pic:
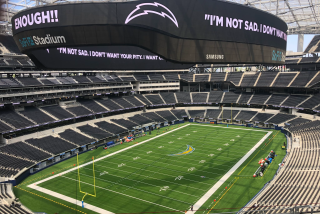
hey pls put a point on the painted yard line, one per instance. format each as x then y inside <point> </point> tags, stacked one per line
<point>229,128</point>
<point>173,176</point>
<point>141,181</point>
<point>222,196</point>
<point>121,194</point>
<point>157,179</point>
<point>131,187</point>
<point>104,157</point>
<point>184,157</point>
<point>204,198</point>
<point>74,201</point>
<point>174,170</point>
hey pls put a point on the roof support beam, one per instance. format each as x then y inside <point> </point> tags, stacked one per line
<point>287,3</point>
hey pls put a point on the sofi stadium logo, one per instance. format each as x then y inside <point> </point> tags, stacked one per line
<point>278,56</point>
<point>36,40</point>
<point>158,9</point>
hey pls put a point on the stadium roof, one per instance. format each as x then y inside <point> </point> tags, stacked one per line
<point>302,16</point>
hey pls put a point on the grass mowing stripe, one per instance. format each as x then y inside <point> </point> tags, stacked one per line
<point>90,162</point>
<point>160,166</point>
<point>50,200</point>
<point>164,181</point>
<point>123,194</point>
<point>167,175</point>
<point>228,174</point>
<point>132,187</point>
<point>143,177</point>
<point>188,159</point>
<point>140,181</point>
<point>223,195</point>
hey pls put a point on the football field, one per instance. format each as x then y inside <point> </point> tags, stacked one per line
<point>176,168</point>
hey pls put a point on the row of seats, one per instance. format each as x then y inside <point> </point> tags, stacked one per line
<point>10,206</point>
<point>18,155</point>
<point>241,79</point>
<point>258,79</point>
<point>5,209</point>
<point>25,154</point>
<point>30,81</point>
<point>297,181</point>
<point>30,116</point>
<point>3,192</point>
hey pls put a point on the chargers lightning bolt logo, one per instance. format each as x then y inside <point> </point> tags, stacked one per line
<point>189,150</point>
<point>141,12</point>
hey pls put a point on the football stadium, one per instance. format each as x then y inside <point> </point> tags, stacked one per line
<point>167,106</point>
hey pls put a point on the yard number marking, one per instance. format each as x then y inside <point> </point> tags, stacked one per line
<point>191,168</point>
<point>164,188</point>
<point>103,173</point>
<point>179,177</point>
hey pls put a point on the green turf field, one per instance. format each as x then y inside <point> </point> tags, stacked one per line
<point>155,177</point>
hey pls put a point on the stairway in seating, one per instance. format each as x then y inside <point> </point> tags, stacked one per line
<point>294,78</point>
<point>187,112</point>
<point>274,79</point>
<point>47,113</point>
<point>268,99</point>
<point>222,97</point>
<point>58,136</point>
<point>175,97</point>
<point>254,116</point>
<point>101,105</point>
<point>239,98</point>
<point>80,132</point>
<point>139,100</point>
<point>284,100</point>
<point>38,148</point>
<point>304,101</point>
<point>27,118</point>
<point>257,80</point>
<point>162,99</point>
<point>18,157</point>
<point>237,115</point>
<point>312,79</point>
<point>250,98</point>
<point>241,79</point>
<point>173,114</point>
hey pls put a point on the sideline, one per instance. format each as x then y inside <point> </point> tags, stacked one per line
<point>211,191</point>
<point>77,202</point>
<point>222,127</point>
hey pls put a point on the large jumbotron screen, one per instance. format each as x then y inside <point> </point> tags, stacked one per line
<point>178,31</point>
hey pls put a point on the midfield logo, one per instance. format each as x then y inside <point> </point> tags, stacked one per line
<point>163,11</point>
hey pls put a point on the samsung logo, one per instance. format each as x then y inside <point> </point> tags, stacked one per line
<point>214,56</point>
